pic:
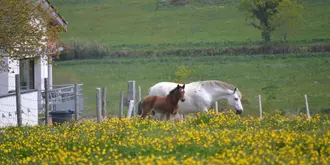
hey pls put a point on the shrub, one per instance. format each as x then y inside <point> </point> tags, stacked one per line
<point>179,2</point>
<point>77,49</point>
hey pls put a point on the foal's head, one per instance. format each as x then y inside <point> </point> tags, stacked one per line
<point>178,91</point>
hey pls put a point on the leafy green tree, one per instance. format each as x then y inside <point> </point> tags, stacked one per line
<point>25,28</point>
<point>288,19</point>
<point>270,15</point>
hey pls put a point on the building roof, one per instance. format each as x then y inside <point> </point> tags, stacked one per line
<point>57,17</point>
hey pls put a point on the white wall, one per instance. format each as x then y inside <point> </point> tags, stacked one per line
<point>29,105</point>
<point>41,72</point>
<point>14,69</point>
<point>4,79</point>
<point>7,79</point>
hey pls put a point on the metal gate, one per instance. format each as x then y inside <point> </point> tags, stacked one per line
<point>62,97</point>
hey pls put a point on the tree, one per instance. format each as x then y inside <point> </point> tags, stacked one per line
<point>288,19</point>
<point>25,29</point>
<point>269,15</point>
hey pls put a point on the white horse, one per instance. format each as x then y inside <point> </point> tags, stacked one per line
<point>201,95</point>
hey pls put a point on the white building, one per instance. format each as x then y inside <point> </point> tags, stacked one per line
<point>32,72</point>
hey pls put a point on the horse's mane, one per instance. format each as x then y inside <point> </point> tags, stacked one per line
<point>172,91</point>
<point>219,83</point>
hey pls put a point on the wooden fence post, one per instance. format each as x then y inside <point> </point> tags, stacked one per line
<point>260,106</point>
<point>76,102</point>
<point>131,93</point>
<point>121,105</point>
<point>216,107</point>
<point>104,102</point>
<point>18,99</point>
<point>139,94</point>
<point>98,105</point>
<point>130,109</point>
<point>46,86</point>
<point>307,108</point>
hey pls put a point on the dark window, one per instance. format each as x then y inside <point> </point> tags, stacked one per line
<point>26,70</point>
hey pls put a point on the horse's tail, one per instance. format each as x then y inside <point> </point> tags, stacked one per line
<point>139,108</point>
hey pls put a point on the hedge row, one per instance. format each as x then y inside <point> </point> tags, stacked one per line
<point>85,50</point>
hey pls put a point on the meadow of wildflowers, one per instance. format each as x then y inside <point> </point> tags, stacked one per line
<point>203,139</point>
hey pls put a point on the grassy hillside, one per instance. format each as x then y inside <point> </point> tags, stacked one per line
<point>126,22</point>
<point>282,80</point>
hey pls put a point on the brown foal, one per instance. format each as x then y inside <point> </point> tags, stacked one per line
<point>165,104</point>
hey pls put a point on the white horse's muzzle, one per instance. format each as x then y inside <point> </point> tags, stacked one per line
<point>239,111</point>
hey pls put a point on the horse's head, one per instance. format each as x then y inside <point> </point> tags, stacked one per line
<point>235,101</point>
<point>179,92</point>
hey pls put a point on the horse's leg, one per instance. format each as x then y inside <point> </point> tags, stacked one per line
<point>182,117</point>
<point>177,117</point>
<point>153,114</point>
<point>161,115</point>
<point>205,110</point>
<point>168,115</point>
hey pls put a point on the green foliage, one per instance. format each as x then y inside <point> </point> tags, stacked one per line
<point>22,32</point>
<point>268,15</point>
<point>288,18</point>
<point>182,74</point>
<point>77,49</point>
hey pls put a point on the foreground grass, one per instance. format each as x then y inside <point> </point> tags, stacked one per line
<point>205,138</point>
<point>281,80</point>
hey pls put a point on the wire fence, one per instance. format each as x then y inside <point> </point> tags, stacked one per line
<point>116,104</point>
<point>32,103</point>
<point>29,110</point>
<point>318,103</point>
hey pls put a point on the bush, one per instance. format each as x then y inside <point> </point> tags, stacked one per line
<point>179,2</point>
<point>77,49</point>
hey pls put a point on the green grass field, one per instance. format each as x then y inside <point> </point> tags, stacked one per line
<point>130,22</point>
<point>282,80</point>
